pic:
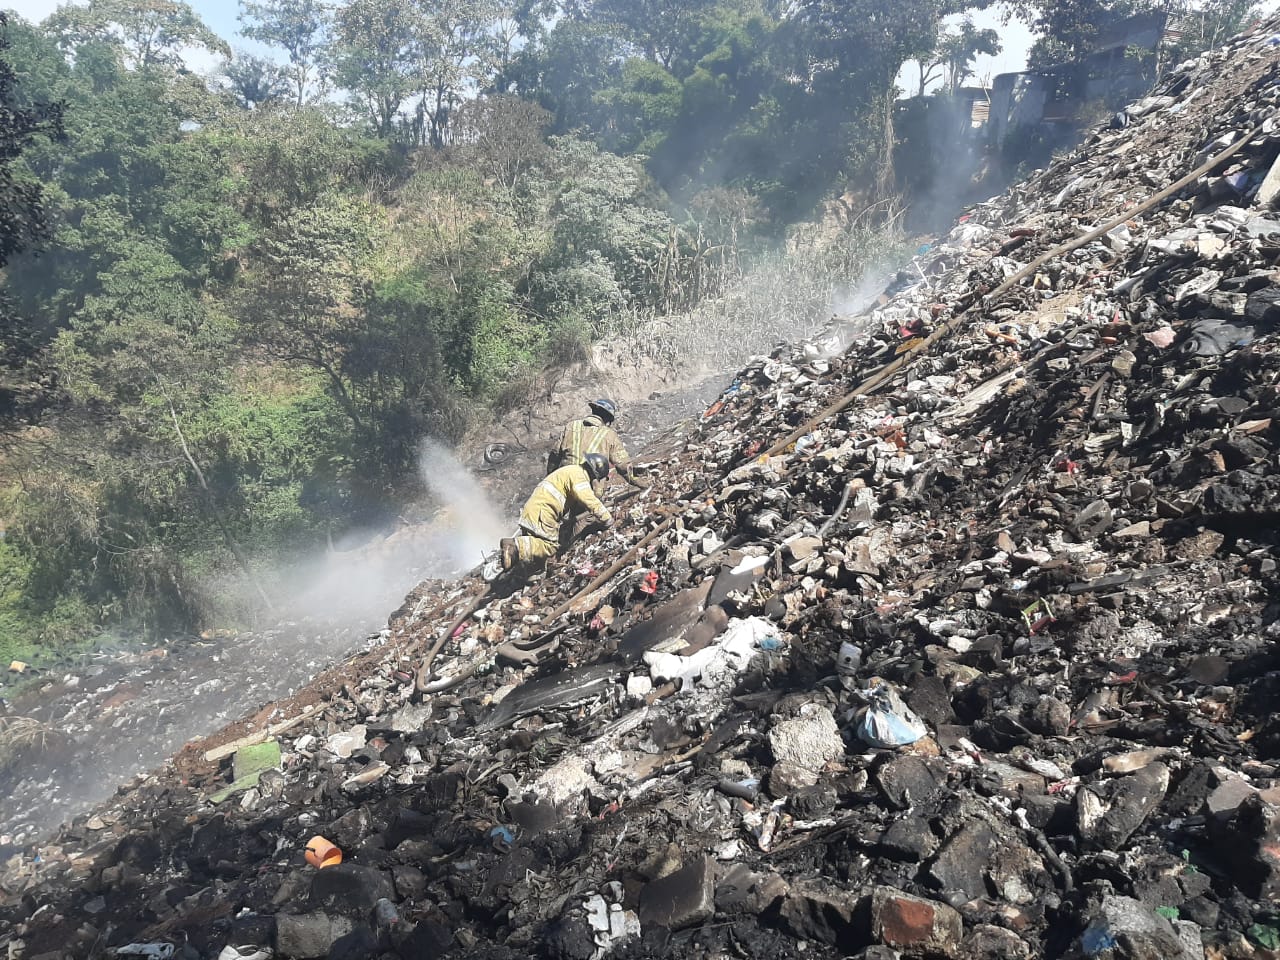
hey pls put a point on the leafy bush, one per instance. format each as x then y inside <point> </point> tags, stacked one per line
<point>19,626</point>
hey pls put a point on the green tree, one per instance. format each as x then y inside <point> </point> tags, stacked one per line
<point>23,215</point>
<point>853,53</point>
<point>607,244</point>
<point>298,27</point>
<point>141,356</point>
<point>377,56</point>
<point>455,45</point>
<point>127,171</point>
<point>642,108</point>
<point>566,71</point>
<point>664,31</point>
<point>710,141</point>
<point>147,33</point>
<point>22,210</point>
<point>517,26</point>
<point>1067,29</point>
<point>457,256</point>
<point>289,160</point>
<point>1204,24</point>
<point>957,49</point>
<point>397,359</point>
<point>300,295</point>
<point>256,81</point>
<point>688,91</point>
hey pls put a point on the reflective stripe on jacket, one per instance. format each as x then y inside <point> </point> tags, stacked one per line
<point>590,435</point>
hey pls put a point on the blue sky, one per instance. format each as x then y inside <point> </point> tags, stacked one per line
<point>220,15</point>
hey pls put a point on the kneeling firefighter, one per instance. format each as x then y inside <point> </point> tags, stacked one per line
<point>559,497</point>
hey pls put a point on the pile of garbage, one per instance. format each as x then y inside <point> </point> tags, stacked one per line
<point>958,643</point>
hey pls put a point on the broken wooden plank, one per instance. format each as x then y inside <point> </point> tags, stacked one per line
<point>227,749</point>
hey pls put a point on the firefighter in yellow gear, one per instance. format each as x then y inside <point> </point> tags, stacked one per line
<point>594,434</point>
<point>558,497</point>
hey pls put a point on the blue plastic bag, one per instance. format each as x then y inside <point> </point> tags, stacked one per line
<point>889,722</point>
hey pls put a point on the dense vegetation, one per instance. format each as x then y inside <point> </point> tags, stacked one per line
<point>245,301</point>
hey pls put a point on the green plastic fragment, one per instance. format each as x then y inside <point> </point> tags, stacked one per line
<point>256,759</point>
<point>1169,913</point>
<point>1265,935</point>
<point>249,765</point>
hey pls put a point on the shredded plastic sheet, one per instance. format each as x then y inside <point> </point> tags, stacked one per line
<point>730,654</point>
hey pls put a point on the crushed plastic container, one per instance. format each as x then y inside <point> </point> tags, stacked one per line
<point>849,659</point>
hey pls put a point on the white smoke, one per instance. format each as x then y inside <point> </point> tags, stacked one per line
<point>467,525</point>
<point>357,586</point>
<point>850,321</point>
<point>858,297</point>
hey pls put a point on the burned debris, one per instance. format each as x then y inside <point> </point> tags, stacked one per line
<point>958,643</point>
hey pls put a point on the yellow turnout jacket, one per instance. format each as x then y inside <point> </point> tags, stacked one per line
<point>591,435</point>
<point>551,500</point>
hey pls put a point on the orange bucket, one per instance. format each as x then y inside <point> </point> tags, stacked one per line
<point>321,853</point>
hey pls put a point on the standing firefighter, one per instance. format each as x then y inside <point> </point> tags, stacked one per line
<point>594,434</point>
<point>556,499</point>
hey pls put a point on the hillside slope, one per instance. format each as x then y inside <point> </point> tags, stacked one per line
<point>1048,526</point>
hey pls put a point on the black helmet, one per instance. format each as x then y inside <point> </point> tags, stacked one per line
<point>606,408</point>
<point>596,465</point>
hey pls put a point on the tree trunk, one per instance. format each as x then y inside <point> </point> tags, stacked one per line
<point>884,176</point>
<point>344,398</point>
